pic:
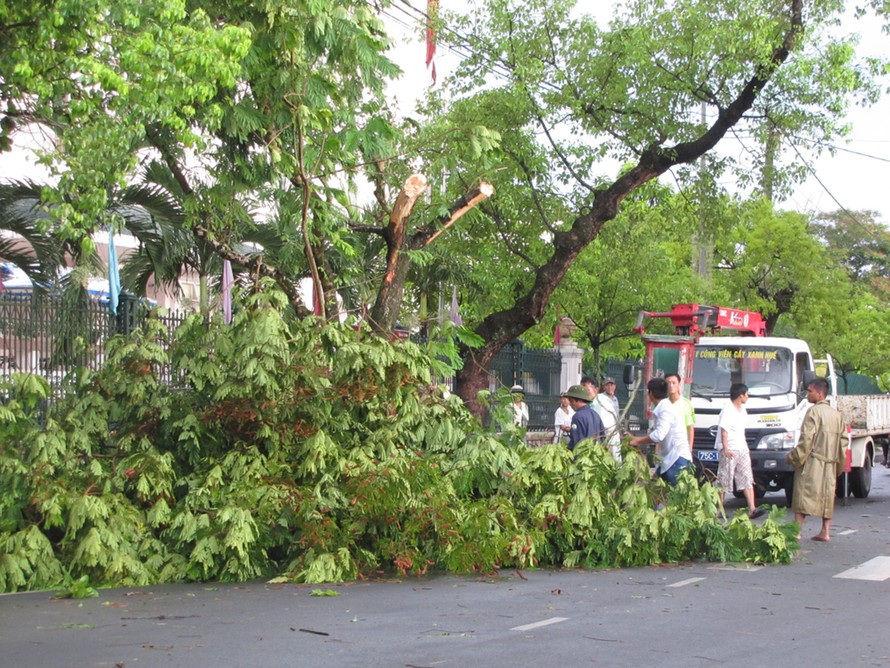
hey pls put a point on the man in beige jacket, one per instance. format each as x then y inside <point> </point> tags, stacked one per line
<point>818,459</point>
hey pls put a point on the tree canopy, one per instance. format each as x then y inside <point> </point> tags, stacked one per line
<point>273,123</point>
<point>567,94</point>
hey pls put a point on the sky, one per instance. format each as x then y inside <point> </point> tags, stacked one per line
<point>856,178</point>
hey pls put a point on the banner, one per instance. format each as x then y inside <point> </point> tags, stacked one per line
<point>228,280</point>
<point>455,314</point>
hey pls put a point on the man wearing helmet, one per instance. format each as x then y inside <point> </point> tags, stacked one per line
<point>585,422</point>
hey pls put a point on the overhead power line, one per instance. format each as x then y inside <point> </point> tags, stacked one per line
<point>850,214</point>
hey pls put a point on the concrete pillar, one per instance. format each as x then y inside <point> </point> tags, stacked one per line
<point>572,360</point>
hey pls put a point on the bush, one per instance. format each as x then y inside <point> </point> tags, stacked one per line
<point>314,454</point>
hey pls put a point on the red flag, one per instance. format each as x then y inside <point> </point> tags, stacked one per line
<point>432,14</point>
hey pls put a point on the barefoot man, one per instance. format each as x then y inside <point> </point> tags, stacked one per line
<point>818,459</point>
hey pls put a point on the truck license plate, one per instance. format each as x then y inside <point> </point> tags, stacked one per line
<point>707,455</point>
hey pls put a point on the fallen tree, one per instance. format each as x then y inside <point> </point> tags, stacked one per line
<point>289,451</point>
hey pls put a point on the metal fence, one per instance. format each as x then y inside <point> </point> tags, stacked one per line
<point>538,371</point>
<point>49,335</point>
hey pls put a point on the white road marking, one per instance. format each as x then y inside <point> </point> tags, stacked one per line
<point>847,532</point>
<point>877,569</point>
<point>683,583</point>
<point>543,622</point>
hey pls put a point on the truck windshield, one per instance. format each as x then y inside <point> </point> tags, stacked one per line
<point>764,370</point>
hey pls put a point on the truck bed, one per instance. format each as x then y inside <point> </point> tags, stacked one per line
<point>866,412</point>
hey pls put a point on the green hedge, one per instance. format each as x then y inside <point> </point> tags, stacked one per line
<point>312,453</point>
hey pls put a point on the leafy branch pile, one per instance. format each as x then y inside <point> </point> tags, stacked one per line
<point>282,449</point>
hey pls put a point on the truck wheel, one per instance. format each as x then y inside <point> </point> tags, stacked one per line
<point>789,489</point>
<point>860,479</point>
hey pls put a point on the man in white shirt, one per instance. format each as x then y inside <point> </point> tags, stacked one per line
<point>609,387</point>
<point>605,408</point>
<point>668,433</point>
<point>682,404</point>
<point>562,420</point>
<point>734,460</point>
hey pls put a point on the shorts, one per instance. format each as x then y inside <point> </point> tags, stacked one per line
<point>670,476</point>
<point>737,469</point>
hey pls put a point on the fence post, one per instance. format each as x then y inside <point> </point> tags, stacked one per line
<point>572,361</point>
<point>517,347</point>
<point>125,319</point>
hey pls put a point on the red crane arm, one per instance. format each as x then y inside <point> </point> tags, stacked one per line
<point>693,319</point>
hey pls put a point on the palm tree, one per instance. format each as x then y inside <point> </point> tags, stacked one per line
<point>28,241</point>
<point>163,218</point>
<point>154,211</point>
<point>151,211</point>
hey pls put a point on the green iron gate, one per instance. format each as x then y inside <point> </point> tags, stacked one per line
<point>538,371</point>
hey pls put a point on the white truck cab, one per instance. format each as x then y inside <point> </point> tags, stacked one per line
<point>773,368</point>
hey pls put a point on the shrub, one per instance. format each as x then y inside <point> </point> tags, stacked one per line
<point>312,453</point>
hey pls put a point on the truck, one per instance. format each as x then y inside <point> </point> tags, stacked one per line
<point>776,371</point>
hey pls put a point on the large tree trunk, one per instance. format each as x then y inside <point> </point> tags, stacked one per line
<point>500,328</point>
<point>385,312</point>
<point>783,300</point>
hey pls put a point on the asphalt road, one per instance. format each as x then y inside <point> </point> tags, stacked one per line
<point>828,608</point>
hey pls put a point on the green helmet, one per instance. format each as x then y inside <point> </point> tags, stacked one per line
<point>578,392</point>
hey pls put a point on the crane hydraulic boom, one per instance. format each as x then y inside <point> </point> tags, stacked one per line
<point>694,319</point>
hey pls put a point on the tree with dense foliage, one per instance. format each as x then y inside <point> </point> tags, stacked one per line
<point>282,110</point>
<point>771,262</point>
<point>565,94</point>
<point>854,323</point>
<point>97,77</point>
<point>859,242</point>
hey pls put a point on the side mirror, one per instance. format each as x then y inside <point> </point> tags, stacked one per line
<point>808,377</point>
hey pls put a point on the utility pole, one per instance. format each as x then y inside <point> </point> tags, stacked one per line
<point>702,245</point>
<point>771,150</point>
